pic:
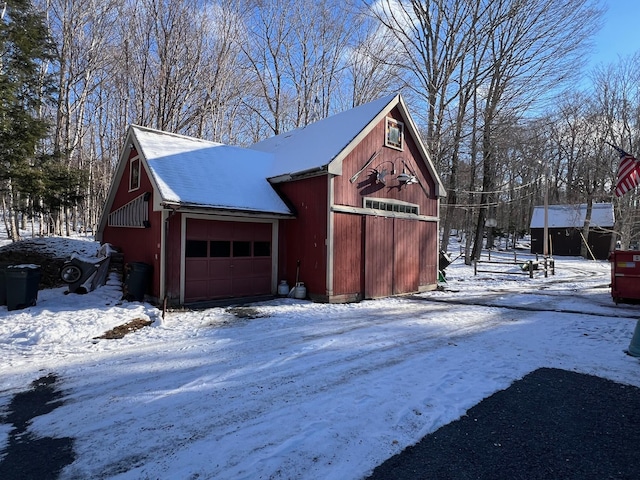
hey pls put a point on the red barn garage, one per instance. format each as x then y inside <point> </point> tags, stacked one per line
<point>348,205</point>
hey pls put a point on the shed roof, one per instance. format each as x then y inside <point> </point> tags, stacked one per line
<point>194,172</point>
<point>566,216</point>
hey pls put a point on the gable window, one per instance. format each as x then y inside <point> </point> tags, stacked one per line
<point>394,134</point>
<point>134,174</point>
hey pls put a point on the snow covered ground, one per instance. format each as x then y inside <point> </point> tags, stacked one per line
<point>303,390</point>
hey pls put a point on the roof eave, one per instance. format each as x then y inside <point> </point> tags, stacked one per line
<point>312,172</point>
<point>184,207</point>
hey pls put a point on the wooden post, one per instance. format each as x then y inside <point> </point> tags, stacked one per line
<point>475,267</point>
<point>530,268</point>
<point>545,268</point>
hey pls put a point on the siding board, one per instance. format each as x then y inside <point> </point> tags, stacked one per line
<point>406,248</point>
<point>305,237</point>
<point>428,253</point>
<point>378,257</point>
<point>347,254</point>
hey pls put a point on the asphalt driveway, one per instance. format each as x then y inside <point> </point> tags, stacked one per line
<point>552,424</point>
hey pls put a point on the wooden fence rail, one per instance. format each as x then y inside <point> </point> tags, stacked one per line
<point>525,266</point>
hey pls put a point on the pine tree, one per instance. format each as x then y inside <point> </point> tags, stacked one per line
<point>25,50</point>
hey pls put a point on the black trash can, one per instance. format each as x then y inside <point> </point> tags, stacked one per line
<point>138,278</point>
<point>22,283</point>
<point>3,283</point>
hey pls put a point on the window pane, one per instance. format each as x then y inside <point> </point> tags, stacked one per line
<point>241,249</point>
<point>134,174</point>
<point>220,248</point>
<point>261,249</point>
<point>196,248</point>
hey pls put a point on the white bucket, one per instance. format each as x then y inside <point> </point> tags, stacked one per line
<point>283,288</point>
<point>300,292</point>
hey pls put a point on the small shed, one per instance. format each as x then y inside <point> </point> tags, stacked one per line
<point>349,205</point>
<point>565,224</point>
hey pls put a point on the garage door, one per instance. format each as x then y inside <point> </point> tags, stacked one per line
<point>227,259</point>
<point>391,250</point>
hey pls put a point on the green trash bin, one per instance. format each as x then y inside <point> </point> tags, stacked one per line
<point>21,287</point>
<point>137,280</point>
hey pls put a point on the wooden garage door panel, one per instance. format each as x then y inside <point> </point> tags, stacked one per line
<point>406,274</point>
<point>219,287</point>
<point>378,257</point>
<point>392,248</point>
<point>219,268</point>
<point>199,289</point>
<point>242,267</point>
<point>198,268</point>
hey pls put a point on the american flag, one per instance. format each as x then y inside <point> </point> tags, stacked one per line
<point>628,172</point>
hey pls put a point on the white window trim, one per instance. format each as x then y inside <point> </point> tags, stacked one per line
<point>392,122</point>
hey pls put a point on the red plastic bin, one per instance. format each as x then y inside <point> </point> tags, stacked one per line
<point>625,275</point>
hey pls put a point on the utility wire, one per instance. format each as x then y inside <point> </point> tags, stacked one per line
<point>519,187</point>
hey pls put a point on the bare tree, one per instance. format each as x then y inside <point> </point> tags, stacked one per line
<point>372,66</point>
<point>82,33</point>
<point>535,47</point>
<point>617,103</point>
<point>265,45</point>
<point>442,45</point>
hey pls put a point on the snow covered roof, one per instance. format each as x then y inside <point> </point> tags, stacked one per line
<point>316,145</point>
<point>563,216</point>
<point>321,146</point>
<point>194,172</point>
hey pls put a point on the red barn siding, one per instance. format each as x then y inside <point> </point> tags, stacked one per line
<point>348,265</point>
<point>351,194</point>
<point>138,244</point>
<point>378,255</point>
<point>428,253</point>
<point>400,255</point>
<point>304,238</point>
<point>406,262</point>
